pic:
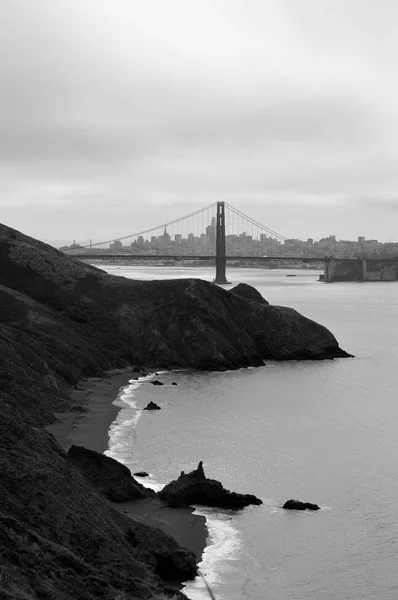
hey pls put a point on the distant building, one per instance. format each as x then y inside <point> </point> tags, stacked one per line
<point>211,231</point>
<point>116,246</point>
<point>166,237</point>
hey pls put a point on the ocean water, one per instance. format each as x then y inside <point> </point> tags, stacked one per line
<point>323,432</point>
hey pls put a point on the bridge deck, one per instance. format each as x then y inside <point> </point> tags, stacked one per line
<point>194,257</point>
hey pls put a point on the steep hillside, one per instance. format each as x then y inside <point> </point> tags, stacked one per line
<point>61,320</point>
<point>60,540</point>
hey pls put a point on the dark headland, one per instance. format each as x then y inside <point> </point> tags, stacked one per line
<point>62,321</point>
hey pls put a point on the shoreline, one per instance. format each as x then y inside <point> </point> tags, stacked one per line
<point>88,421</point>
<point>88,424</point>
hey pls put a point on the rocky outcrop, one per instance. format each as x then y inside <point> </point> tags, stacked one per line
<point>298,505</point>
<point>196,488</point>
<point>156,382</point>
<point>152,406</point>
<point>112,479</point>
<point>243,290</point>
<point>141,474</point>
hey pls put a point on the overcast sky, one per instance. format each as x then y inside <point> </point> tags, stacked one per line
<point>116,115</point>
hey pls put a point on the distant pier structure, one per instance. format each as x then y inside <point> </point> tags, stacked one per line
<point>360,269</point>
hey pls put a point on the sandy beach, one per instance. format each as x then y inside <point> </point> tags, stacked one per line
<point>87,424</point>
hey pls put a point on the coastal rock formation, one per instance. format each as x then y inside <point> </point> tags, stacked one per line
<point>243,290</point>
<point>141,474</point>
<point>152,406</point>
<point>112,479</point>
<point>75,320</point>
<point>156,382</point>
<point>297,505</point>
<point>196,488</point>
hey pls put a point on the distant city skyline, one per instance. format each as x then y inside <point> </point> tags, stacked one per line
<point>357,239</point>
<point>242,243</point>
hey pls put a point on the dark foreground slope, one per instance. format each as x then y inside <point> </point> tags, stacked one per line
<point>59,539</point>
<point>61,320</point>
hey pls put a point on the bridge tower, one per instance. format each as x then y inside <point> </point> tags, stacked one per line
<point>221,261</point>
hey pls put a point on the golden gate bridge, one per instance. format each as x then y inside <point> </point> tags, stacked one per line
<point>218,232</point>
<point>221,233</point>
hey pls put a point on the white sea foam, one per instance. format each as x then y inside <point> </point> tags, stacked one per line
<point>219,555</point>
<point>122,430</point>
<point>224,539</point>
<point>151,483</point>
<point>223,545</point>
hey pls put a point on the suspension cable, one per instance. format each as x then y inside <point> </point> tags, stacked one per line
<point>145,231</point>
<point>270,231</point>
<point>234,212</point>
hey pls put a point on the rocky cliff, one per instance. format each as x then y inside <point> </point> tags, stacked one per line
<point>66,319</point>
<point>61,320</point>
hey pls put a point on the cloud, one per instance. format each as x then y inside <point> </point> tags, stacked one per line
<point>160,103</point>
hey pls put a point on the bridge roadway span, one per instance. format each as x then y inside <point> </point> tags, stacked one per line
<point>335,269</point>
<point>192,257</point>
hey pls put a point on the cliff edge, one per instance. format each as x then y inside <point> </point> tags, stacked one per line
<point>61,320</point>
<point>73,319</point>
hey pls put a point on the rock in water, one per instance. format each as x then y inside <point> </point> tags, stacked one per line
<point>297,505</point>
<point>141,474</point>
<point>110,477</point>
<point>195,488</point>
<point>152,406</point>
<point>156,382</point>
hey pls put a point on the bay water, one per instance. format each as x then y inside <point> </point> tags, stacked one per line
<point>323,432</point>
